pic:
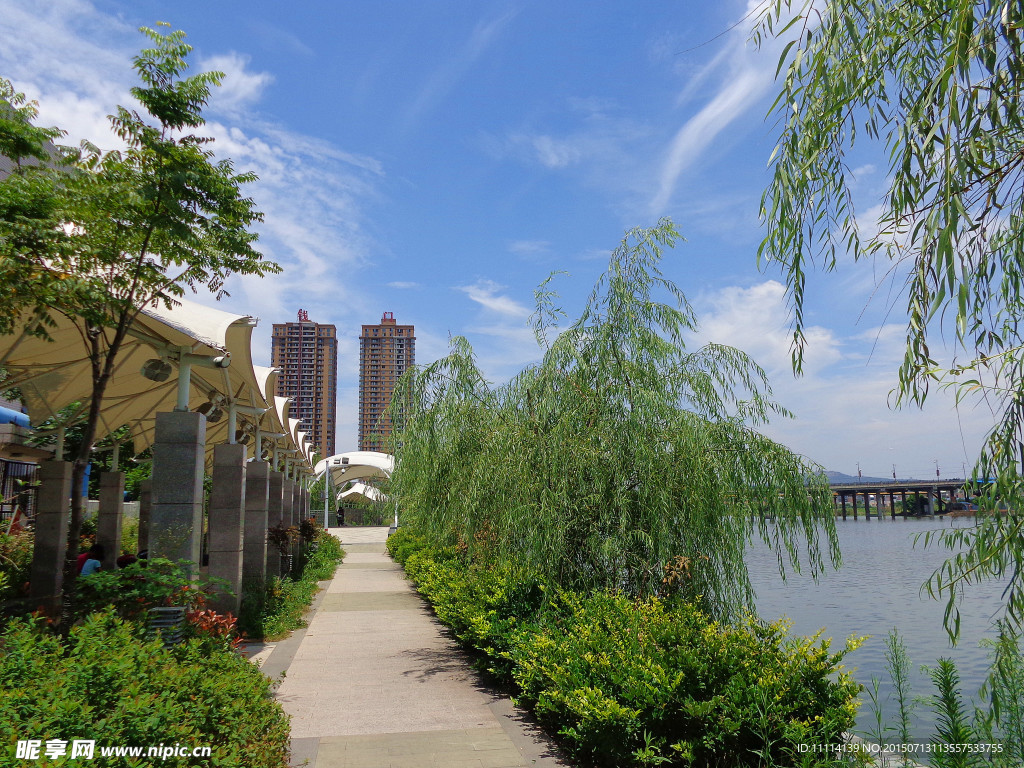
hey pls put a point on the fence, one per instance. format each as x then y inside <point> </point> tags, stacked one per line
<point>17,489</point>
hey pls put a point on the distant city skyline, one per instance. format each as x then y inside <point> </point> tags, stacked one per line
<point>442,159</point>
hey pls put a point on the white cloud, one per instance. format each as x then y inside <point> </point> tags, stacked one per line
<point>313,194</point>
<point>745,75</point>
<point>403,284</point>
<point>843,401</point>
<point>529,247</point>
<point>485,293</point>
<point>239,88</point>
<point>443,79</point>
<point>756,320</point>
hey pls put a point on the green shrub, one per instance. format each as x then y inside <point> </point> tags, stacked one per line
<point>637,682</point>
<point>274,607</point>
<point>15,563</point>
<point>107,683</point>
<point>130,536</point>
<point>136,588</point>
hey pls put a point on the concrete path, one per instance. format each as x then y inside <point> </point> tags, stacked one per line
<point>375,681</point>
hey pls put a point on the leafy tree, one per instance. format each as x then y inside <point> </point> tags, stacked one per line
<point>32,175</point>
<point>621,461</point>
<point>936,84</point>
<point>143,223</point>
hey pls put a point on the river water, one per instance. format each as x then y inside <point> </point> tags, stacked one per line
<point>878,587</point>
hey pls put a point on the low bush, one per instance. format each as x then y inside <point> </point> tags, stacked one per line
<point>136,588</point>
<point>105,682</point>
<point>640,682</point>
<point>15,563</point>
<point>274,607</point>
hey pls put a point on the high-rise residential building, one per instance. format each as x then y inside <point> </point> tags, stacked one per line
<point>307,354</point>
<point>385,351</point>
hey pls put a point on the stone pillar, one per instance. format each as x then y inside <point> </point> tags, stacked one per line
<point>176,515</point>
<point>254,541</point>
<point>53,511</point>
<point>298,516</point>
<point>227,524</point>
<point>288,512</point>
<point>275,502</point>
<point>110,517</point>
<point>145,506</point>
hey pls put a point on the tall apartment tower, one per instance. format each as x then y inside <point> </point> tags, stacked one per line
<point>385,351</point>
<point>307,354</point>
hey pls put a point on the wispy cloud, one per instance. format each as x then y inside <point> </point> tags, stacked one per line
<point>529,247</point>
<point>486,294</point>
<point>403,285</point>
<point>443,79</point>
<point>745,76</point>
<point>313,194</point>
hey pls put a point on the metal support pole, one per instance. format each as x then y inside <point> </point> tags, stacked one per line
<point>327,490</point>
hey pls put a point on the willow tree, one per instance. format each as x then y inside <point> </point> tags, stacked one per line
<point>622,458</point>
<point>934,86</point>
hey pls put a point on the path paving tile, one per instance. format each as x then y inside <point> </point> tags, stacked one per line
<point>375,682</point>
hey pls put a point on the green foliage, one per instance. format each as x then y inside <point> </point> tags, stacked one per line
<point>953,725</point>
<point>897,663</point>
<point>1003,720</point>
<point>621,450</point>
<point>274,607</point>
<point>15,563</point>
<point>631,682</point>
<point>935,85</point>
<point>992,734</point>
<point>136,588</point>
<point>30,209</point>
<point>150,221</point>
<point>107,683</point>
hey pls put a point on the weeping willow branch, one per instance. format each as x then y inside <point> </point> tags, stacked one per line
<point>617,453</point>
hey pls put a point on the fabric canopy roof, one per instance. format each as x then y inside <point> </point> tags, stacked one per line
<point>54,374</point>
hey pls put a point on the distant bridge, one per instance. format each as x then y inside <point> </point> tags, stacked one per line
<point>936,494</point>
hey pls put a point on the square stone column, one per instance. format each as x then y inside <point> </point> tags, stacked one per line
<point>53,512</point>
<point>254,540</point>
<point>227,524</point>
<point>176,516</point>
<point>275,503</point>
<point>110,517</point>
<point>145,507</point>
<point>298,516</point>
<point>288,512</point>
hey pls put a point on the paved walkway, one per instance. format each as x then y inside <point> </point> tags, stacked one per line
<point>375,681</point>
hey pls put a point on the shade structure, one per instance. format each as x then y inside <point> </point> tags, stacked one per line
<point>55,374</point>
<point>362,490</point>
<point>356,465</point>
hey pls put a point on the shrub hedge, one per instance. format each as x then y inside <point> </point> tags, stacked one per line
<point>105,682</point>
<point>641,682</point>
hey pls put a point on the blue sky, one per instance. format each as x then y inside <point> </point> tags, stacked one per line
<point>439,159</point>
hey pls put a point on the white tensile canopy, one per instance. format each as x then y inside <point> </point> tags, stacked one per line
<point>356,465</point>
<point>364,490</point>
<point>54,374</point>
